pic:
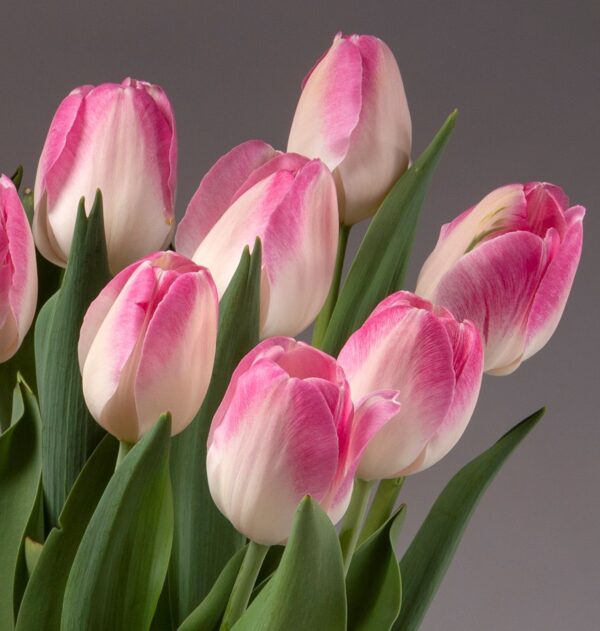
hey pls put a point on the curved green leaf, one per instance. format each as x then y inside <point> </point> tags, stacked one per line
<point>208,614</point>
<point>380,264</point>
<point>120,566</point>
<point>204,540</point>
<point>307,591</point>
<point>20,469</point>
<point>69,433</point>
<point>373,583</point>
<point>429,555</point>
<point>41,606</point>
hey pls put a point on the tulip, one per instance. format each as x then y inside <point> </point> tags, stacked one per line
<point>435,363</point>
<point>353,115</point>
<point>290,203</point>
<point>287,428</point>
<point>508,265</point>
<point>120,139</point>
<point>18,271</point>
<point>147,345</point>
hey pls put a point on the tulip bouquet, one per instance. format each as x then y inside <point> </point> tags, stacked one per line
<point>171,457</point>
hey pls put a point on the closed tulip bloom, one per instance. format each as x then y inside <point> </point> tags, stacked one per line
<point>434,362</point>
<point>508,264</point>
<point>119,138</point>
<point>287,428</point>
<point>18,271</point>
<point>353,115</point>
<point>147,345</point>
<point>290,203</point>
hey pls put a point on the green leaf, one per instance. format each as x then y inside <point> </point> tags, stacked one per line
<point>69,433</point>
<point>33,549</point>
<point>429,555</point>
<point>17,177</point>
<point>204,540</point>
<point>380,264</point>
<point>373,583</point>
<point>307,591</point>
<point>120,566</point>
<point>208,614</point>
<point>41,606</point>
<point>20,469</point>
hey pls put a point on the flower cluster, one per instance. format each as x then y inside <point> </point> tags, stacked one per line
<point>294,420</point>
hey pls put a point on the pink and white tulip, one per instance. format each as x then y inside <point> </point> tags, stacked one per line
<point>287,428</point>
<point>18,271</point>
<point>353,115</point>
<point>290,203</point>
<point>119,138</point>
<point>508,264</point>
<point>147,345</point>
<point>434,362</point>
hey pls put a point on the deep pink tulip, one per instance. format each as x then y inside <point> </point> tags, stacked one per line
<point>18,271</point>
<point>286,200</point>
<point>287,428</point>
<point>121,139</point>
<point>354,116</point>
<point>147,345</point>
<point>508,264</point>
<point>434,362</point>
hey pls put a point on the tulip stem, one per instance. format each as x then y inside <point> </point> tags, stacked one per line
<point>124,449</point>
<point>322,321</point>
<point>382,507</point>
<point>244,584</point>
<point>353,520</point>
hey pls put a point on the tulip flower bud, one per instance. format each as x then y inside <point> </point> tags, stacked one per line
<point>147,345</point>
<point>119,139</point>
<point>434,362</point>
<point>508,264</point>
<point>353,115</point>
<point>286,428</point>
<point>290,203</point>
<point>18,271</point>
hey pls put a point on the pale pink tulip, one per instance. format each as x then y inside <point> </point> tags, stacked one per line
<point>120,139</point>
<point>434,362</point>
<point>353,115</point>
<point>287,428</point>
<point>290,203</point>
<point>147,345</point>
<point>18,271</point>
<point>508,264</point>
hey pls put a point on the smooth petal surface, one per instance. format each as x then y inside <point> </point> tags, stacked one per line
<point>353,115</point>
<point>18,271</point>
<point>119,139</point>
<point>217,190</point>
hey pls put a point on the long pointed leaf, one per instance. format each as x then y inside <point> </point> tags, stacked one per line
<point>69,433</point>
<point>380,264</point>
<point>121,564</point>
<point>429,555</point>
<point>20,469</point>
<point>204,540</point>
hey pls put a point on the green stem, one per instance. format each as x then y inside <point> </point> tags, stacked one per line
<point>324,316</point>
<point>124,449</point>
<point>382,506</point>
<point>244,584</point>
<point>353,519</point>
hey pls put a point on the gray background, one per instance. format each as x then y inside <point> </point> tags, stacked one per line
<point>525,77</point>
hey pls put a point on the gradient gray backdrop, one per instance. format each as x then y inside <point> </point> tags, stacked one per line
<point>525,77</point>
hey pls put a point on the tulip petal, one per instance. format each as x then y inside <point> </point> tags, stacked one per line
<point>182,330</point>
<point>300,243</point>
<point>217,190</point>
<point>329,107</point>
<point>492,286</point>
<point>260,462</point>
<point>551,297</point>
